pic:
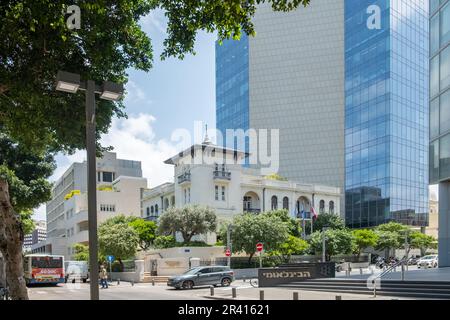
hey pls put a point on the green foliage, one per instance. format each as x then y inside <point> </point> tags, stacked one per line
<point>393,227</point>
<point>117,239</point>
<point>363,239</point>
<point>36,43</point>
<point>338,241</point>
<point>249,229</point>
<point>292,246</point>
<point>330,220</point>
<point>294,225</point>
<point>189,221</point>
<point>387,240</point>
<point>81,252</point>
<point>146,231</point>
<point>26,172</point>
<point>164,242</point>
<point>418,240</point>
<point>28,225</point>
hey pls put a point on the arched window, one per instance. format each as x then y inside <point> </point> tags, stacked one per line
<point>148,211</point>
<point>156,208</point>
<point>331,205</point>
<point>274,203</point>
<point>322,206</point>
<point>286,203</point>
<point>152,210</point>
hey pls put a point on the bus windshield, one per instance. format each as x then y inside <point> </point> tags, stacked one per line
<point>46,262</point>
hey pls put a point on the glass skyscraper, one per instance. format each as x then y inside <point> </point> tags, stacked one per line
<point>386,113</point>
<point>440,118</point>
<point>346,82</point>
<point>232,79</point>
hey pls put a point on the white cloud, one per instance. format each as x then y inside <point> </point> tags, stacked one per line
<point>134,94</point>
<point>154,21</point>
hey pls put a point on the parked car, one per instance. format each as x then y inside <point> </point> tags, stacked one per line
<point>430,261</point>
<point>412,261</point>
<point>203,276</point>
<point>76,270</point>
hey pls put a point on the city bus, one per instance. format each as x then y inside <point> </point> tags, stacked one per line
<point>44,269</point>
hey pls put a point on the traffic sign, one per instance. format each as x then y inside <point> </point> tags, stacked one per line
<point>110,259</point>
<point>259,247</point>
<point>228,252</point>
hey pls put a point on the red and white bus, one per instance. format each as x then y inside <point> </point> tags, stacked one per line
<point>44,268</point>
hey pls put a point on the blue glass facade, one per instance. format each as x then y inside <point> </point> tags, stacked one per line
<point>232,84</point>
<point>386,112</point>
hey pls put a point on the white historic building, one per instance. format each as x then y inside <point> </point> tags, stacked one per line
<point>209,175</point>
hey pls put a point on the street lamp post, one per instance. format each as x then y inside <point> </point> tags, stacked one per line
<point>229,244</point>
<point>70,82</point>
<point>324,239</point>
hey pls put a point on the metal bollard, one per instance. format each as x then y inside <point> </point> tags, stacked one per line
<point>132,283</point>
<point>360,271</point>
<point>153,282</point>
<point>261,294</point>
<point>118,281</point>
<point>211,290</point>
<point>233,292</point>
<point>338,297</point>
<point>295,295</point>
<point>243,278</point>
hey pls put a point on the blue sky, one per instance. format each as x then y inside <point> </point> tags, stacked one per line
<point>171,96</point>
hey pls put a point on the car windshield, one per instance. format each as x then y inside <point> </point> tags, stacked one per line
<point>46,262</point>
<point>192,271</point>
<point>428,257</point>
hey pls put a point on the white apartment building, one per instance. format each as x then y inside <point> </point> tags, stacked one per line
<point>210,175</point>
<point>119,187</point>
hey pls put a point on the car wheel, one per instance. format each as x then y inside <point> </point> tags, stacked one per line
<point>188,284</point>
<point>226,282</point>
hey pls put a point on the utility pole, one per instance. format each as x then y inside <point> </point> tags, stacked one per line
<point>324,244</point>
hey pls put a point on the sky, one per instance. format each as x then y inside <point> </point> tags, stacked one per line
<point>172,96</point>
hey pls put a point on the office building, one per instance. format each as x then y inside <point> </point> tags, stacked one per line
<point>440,118</point>
<point>346,83</point>
<point>39,234</point>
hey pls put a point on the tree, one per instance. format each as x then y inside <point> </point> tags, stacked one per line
<point>338,241</point>
<point>119,240</point>
<point>364,238</point>
<point>249,229</point>
<point>188,221</point>
<point>28,224</point>
<point>164,242</point>
<point>35,43</point>
<point>294,225</point>
<point>146,231</point>
<point>332,221</point>
<point>292,246</point>
<point>421,241</point>
<point>387,240</point>
<point>81,252</point>
<point>23,186</point>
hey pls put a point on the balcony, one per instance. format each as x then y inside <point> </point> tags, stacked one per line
<point>184,178</point>
<point>222,175</point>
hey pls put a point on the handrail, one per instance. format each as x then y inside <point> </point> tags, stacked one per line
<point>394,266</point>
<point>401,262</point>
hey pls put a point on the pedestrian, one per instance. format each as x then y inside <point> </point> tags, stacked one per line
<point>103,277</point>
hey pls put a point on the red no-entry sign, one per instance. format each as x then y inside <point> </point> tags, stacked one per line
<point>228,252</point>
<point>259,247</point>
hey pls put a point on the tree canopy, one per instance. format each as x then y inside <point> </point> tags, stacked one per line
<point>338,241</point>
<point>330,220</point>
<point>117,239</point>
<point>188,221</point>
<point>363,239</point>
<point>146,231</point>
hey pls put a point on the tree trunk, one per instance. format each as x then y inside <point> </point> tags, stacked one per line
<point>11,242</point>
<point>250,259</point>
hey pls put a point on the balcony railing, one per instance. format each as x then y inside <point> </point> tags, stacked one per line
<point>251,210</point>
<point>185,177</point>
<point>222,174</point>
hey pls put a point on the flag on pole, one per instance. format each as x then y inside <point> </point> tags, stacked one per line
<point>314,214</point>
<point>303,214</point>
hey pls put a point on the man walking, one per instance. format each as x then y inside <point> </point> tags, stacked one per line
<point>103,277</point>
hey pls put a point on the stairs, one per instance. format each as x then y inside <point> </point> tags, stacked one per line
<point>413,289</point>
<point>148,278</point>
